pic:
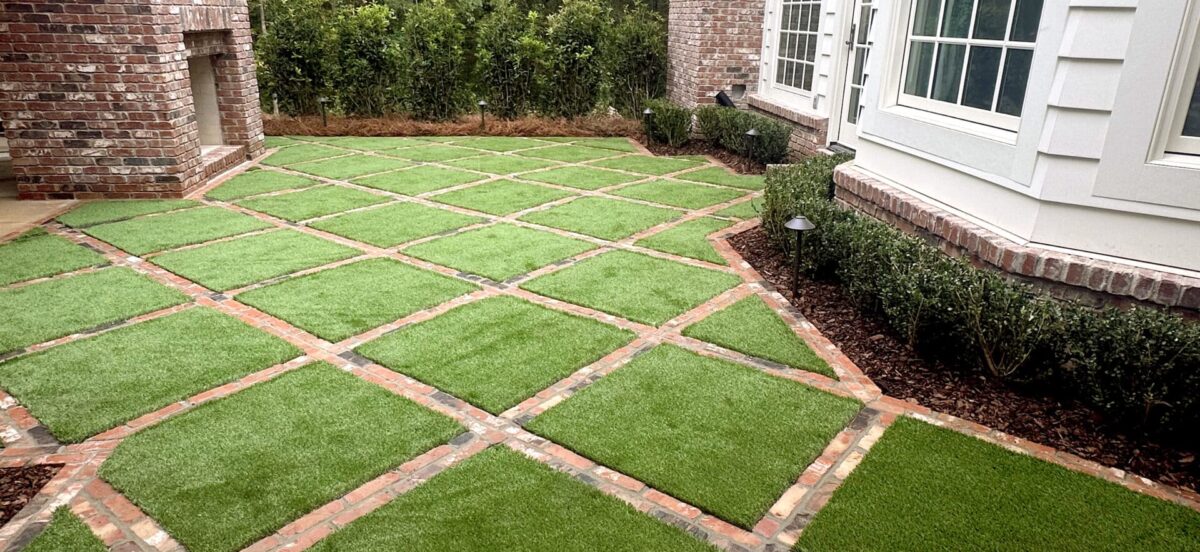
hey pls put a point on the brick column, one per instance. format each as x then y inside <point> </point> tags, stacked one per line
<point>713,45</point>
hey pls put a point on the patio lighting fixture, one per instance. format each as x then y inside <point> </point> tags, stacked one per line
<point>724,100</point>
<point>752,141</point>
<point>647,116</point>
<point>323,100</point>
<point>798,225</point>
<point>482,110</point>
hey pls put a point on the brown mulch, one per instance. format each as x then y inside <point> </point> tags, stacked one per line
<point>19,485</point>
<point>1062,423</point>
<point>739,164</point>
<point>465,126</point>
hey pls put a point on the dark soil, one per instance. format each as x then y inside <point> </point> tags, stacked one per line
<point>1062,423</point>
<point>19,485</point>
<point>739,164</point>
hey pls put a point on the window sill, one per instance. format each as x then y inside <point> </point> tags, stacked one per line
<point>952,123</point>
<point>1178,161</point>
<point>789,111</point>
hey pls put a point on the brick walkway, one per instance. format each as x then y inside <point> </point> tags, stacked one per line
<point>123,526</point>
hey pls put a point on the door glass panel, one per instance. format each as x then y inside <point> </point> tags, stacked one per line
<point>920,66</point>
<point>948,75</point>
<point>852,110</point>
<point>1026,20</point>
<point>1012,85</point>
<point>957,18</point>
<point>982,72</point>
<point>992,19</point>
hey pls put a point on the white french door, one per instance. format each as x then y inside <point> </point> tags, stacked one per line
<point>858,46</point>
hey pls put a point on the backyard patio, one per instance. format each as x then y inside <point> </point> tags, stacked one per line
<point>484,343</point>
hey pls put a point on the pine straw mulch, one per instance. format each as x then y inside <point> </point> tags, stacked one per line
<point>19,485</point>
<point>1026,412</point>
<point>465,126</point>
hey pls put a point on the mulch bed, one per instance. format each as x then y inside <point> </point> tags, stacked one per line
<point>1062,423</point>
<point>312,125</point>
<point>739,164</point>
<point>19,485</point>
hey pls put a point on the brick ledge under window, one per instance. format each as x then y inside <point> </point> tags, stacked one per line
<point>763,103</point>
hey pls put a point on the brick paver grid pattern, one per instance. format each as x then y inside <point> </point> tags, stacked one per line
<point>122,525</point>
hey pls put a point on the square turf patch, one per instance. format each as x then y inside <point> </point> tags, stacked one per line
<point>585,178</point>
<point>751,327</point>
<point>926,488</point>
<point>312,203</point>
<point>258,182</point>
<point>418,180</point>
<point>722,177</point>
<point>235,470</point>
<point>160,232</point>
<point>501,197</point>
<point>616,143</point>
<point>678,194</point>
<point>99,212</point>
<point>301,153</point>
<point>89,386</point>
<point>432,153</point>
<point>348,300</point>
<point>394,224</point>
<point>689,239</point>
<point>36,254</point>
<point>65,532</point>
<point>637,287</point>
<point>497,352</point>
<point>645,164</point>
<point>343,168</point>
<point>501,500</point>
<point>604,218</point>
<point>237,263</point>
<point>501,164</point>
<point>281,141</point>
<point>370,143</point>
<point>744,210</point>
<point>722,436</point>
<point>499,143</point>
<point>499,252</point>
<point>569,154</point>
<point>52,309</point>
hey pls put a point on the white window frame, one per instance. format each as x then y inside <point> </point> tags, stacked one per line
<point>774,47</point>
<point>1177,143</point>
<point>956,110</point>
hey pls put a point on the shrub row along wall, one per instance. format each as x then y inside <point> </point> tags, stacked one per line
<point>1140,366</point>
<point>434,59</point>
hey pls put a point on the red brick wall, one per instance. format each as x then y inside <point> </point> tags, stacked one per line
<point>96,98</point>
<point>713,45</point>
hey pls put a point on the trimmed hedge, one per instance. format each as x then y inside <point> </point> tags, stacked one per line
<point>669,124</point>
<point>727,128</point>
<point>1139,366</point>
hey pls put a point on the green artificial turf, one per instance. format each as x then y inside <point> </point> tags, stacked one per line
<point>157,233</point>
<point>36,254</point>
<point>370,143</point>
<point>724,437</point>
<point>678,194</point>
<point>280,141</point>
<point>237,263</point>
<point>83,388</point>
<point>258,182</point>
<point>927,488</point>
<point>501,197</point>
<point>348,300</point>
<point>55,308</point>
<point>616,143</point>
<point>394,224</point>
<point>419,180</point>
<point>501,164</point>
<point>66,533</point>
<point>497,352</point>
<point>751,327</point>
<point>499,252</point>
<point>569,154</point>
<point>634,286</point>
<point>237,469</point>
<point>585,178</point>
<point>502,500</point>
<point>301,153</point>
<point>689,239</point>
<point>744,210</point>
<point>604,218</point>
<point>499,143</point>
<point>99,212</point>
<point>343,168</point>
<point>432,153</point>
<point>720,176</point>
<point>645,164</point>
<point>312,203</point>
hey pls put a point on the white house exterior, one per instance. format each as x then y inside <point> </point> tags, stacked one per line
<point>1059,132</point>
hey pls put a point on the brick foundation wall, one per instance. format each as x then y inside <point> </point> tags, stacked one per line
<point>96,97</point>
<point>810,133</point>
<point>712,46</point>
<point>1070,276</point>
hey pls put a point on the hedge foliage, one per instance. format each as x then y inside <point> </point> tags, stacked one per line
<point>727,128</point>
<point>434,59</point>
<point>1140,366</point>
<point>667,123</point>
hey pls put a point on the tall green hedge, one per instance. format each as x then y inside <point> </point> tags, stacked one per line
<point>727,127</point>
<point>1140,366</point>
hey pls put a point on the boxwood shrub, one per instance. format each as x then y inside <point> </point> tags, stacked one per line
<point>669,124</point>
<point>727,127</point>
<point>1139,366</point>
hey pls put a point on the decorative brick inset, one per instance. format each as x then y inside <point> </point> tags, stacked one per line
<point>712,46</point>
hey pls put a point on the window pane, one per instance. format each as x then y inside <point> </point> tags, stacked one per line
<point>852,109</point>
<point>920,65</point>
<point>1012,86</point>
<point>957,19</point>
<point>947,76</point>
<point>992,19</point>
<point>808,77</point>
<point>810,48</point>
<point>982,71</point>
<point>1191,124</point>
<point>1026,20</point>
<point>925,17</point>
<point>860,58</point>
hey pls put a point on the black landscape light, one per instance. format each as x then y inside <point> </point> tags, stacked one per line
<point>724,100</point>
<point>798,225</point>
<point>323,100</point>
<point>647,118</point>
<point>482,110</point>
<point>752,142</point>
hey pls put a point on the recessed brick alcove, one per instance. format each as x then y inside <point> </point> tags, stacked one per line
<point>97,95</point>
